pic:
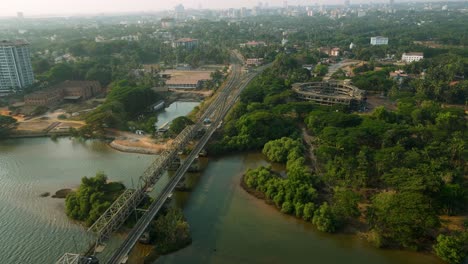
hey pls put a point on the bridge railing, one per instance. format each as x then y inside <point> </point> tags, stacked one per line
<point>69,258</point>
<point>116,214</point>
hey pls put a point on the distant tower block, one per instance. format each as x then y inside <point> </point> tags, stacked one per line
<point>285,4</point>
<point>20,15</point>
<point>346,3</point>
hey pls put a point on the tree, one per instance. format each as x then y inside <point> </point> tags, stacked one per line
<point>324,219</point>
<point>308,211</point>
<point>6,124</point>
<point>403,218</point>
<point>452,249</point>
<point>345,205</point>
<point>321,70</point>
<point>92,198</point>
<point>170,232</point>
<point>278,150</point>
<point>60,72</point>
<point>178,124</point>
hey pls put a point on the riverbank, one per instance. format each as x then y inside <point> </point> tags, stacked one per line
<point>358,228</point>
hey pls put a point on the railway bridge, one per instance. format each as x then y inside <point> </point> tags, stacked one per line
<point>128,201</point>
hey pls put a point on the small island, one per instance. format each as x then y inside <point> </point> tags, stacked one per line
<point>169,231</point>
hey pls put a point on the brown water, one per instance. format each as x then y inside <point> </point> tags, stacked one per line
<point>228,225</point>
<point>231,226</point>
<point>35,230</point>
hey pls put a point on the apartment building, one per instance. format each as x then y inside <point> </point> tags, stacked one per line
<point>15,66</point>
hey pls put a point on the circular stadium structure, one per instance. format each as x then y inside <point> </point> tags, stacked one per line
<point>330,93</point>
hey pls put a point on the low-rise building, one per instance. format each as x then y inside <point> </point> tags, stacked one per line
<point>253,44</point>
<point>45,97</point>
<point>185,79</point>
<point>188,43</point>
<point>67,90</point>
<point>412,56</point>
<point>335,52</point>
<point>379,40</point>
<point>130,38</point>
<point>254,62</point>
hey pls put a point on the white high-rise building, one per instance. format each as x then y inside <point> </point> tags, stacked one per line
<point>16,71</point>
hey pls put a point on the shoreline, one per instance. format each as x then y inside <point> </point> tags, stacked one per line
<point>348,230</point>
<point>135,150</point>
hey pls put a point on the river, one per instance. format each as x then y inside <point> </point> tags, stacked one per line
<point>228,225</point>
<point>36,230</point>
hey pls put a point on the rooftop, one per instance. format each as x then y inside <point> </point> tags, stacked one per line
<point>413,54</point>
<point>186,40</point>
<point>13,42</point>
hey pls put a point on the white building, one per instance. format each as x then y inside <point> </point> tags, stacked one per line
<point>16,71</point>
<point>130,38</point>
<point>379,41</point>
<point>412,56</point>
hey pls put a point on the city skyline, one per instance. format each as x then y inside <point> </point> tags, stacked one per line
<point>69,7</point>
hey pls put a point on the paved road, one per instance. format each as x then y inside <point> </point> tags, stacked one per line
<point>335,67</point>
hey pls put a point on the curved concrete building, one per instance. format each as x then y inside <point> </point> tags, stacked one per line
<point>330,93</point>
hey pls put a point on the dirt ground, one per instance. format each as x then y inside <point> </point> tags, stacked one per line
<point>40,123</point>
<point>453,223</point>
<point>132,140</point>
<point>374,101</point>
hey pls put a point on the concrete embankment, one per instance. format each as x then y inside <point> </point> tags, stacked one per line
<point>39,134</point>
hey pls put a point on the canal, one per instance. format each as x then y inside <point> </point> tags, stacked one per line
<point>176,109</point>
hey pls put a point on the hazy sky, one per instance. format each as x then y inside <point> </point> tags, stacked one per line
<point>40,7</point>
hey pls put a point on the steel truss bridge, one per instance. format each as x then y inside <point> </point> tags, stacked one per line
<point>128,201</point>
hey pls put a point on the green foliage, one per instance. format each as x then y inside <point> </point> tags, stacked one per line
<point>292,195</point>
<point>178,124</point>
<point>324,219</point>
<point>441,80</point>
<point>170,232</point>
<point>123,103</point>
<point>308,211</point>
<point>92,198</point>
<point>318,120</point>
<point>403,218</point>
<point>345,206</point>
<point>254,129</point>
<point>278,150</point>
<point>6,124</point>
<point>373,81</point>
<point>452,248</point>
<point>321,70</point>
